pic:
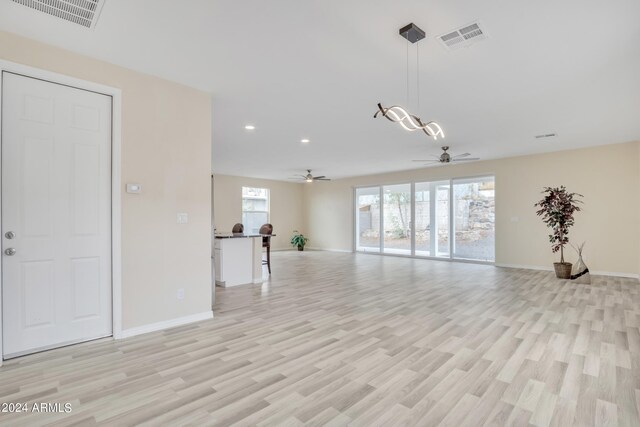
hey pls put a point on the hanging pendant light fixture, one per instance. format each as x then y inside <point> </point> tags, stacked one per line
<point>398,114</point>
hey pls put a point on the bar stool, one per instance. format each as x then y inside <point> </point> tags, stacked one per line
<point>238,228</point>
<point>266,230</point>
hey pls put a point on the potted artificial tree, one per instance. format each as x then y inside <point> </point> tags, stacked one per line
<point>557,209</point>
<point>298,240</point>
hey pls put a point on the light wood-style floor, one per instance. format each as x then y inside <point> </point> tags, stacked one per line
<point>341,339</point>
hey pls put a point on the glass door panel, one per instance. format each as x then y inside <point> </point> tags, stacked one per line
<point>474,219</point>
<point>441,219</point>
<point>397,219</point>
<point>422,217</point>
<point>368,219</point>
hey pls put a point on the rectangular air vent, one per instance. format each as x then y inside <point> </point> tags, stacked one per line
<point>545,135</point>
<point>81,12</point>
<point>463,37</point>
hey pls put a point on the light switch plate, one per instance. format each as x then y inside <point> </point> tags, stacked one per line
<point>183,218</point>
<point>134,188</point>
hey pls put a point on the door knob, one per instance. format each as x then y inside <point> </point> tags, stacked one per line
<point>10,251</point>
<point>10,235</point>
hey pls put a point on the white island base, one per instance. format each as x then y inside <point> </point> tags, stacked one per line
<point>238,259</point>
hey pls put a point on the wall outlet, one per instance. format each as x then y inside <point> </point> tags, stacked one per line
<point>180,294</point>
<point>183,218</point>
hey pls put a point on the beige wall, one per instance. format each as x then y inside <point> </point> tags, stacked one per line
<point>286,208</point>
<point>607,176</point>
<point>166,147</point>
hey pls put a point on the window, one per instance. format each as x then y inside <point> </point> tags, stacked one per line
<point>452,219</point>
<point>255,208</point>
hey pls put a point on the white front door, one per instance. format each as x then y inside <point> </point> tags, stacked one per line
<point>56,215</point>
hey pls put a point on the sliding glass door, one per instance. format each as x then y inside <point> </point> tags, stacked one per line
<point>397,219</point>
<point>451,219</point>
<point>474,218</point>
<point>432,219</point>
<point>368,219</point>
<point>441,216</point>
<point>423,227</point>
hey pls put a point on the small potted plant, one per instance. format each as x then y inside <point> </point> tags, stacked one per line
<point>557,209</point>
<point>299,240</point>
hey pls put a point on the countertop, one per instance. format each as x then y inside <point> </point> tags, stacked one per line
<point>239,235</point>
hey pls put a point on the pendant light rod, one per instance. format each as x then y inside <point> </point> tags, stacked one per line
<point>408,97</point>
<point>418,74</point>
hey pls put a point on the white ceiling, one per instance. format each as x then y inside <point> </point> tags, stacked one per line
<point>317,68</point>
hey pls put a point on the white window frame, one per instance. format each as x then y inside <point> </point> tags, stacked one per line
<point>356,219</point>
<point>268,211</point>
<point>452,219</point>
<point>451,181</point>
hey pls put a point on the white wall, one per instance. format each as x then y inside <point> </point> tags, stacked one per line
<point>608,177</point>
<point>286,206</point>
<point>166,147</point>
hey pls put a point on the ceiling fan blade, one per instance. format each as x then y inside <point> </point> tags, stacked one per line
<point>463,155</point>
<point>319,177</point>
<point>435,158</point>
<point>465,159</point>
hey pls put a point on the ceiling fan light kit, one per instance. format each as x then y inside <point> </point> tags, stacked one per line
<point>398,114</point>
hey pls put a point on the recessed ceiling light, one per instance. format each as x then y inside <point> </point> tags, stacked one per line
<point>304,141</point>
<point>249,127</point>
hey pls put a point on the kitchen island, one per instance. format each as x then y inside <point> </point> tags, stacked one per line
<point>237,258</point>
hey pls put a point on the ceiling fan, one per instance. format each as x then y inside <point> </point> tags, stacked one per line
<point>446,157</point>
<point>310,178</point>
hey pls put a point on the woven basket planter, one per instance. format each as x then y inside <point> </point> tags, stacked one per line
<point>563,270</point>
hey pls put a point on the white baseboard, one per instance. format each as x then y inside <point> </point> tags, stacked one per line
<point>525,267</point>
<point>166,324</point>
<point>328,250</point>
<point>309,248</point>
<point>615,274</point>
<point>593,273</point>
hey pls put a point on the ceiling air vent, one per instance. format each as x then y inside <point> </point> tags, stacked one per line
<point>81,12</point>
<point>545,135</point>
<point>463,37</point>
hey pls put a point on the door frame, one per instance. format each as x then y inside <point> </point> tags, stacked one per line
<point>116,178</point>
<point>450,180</point>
